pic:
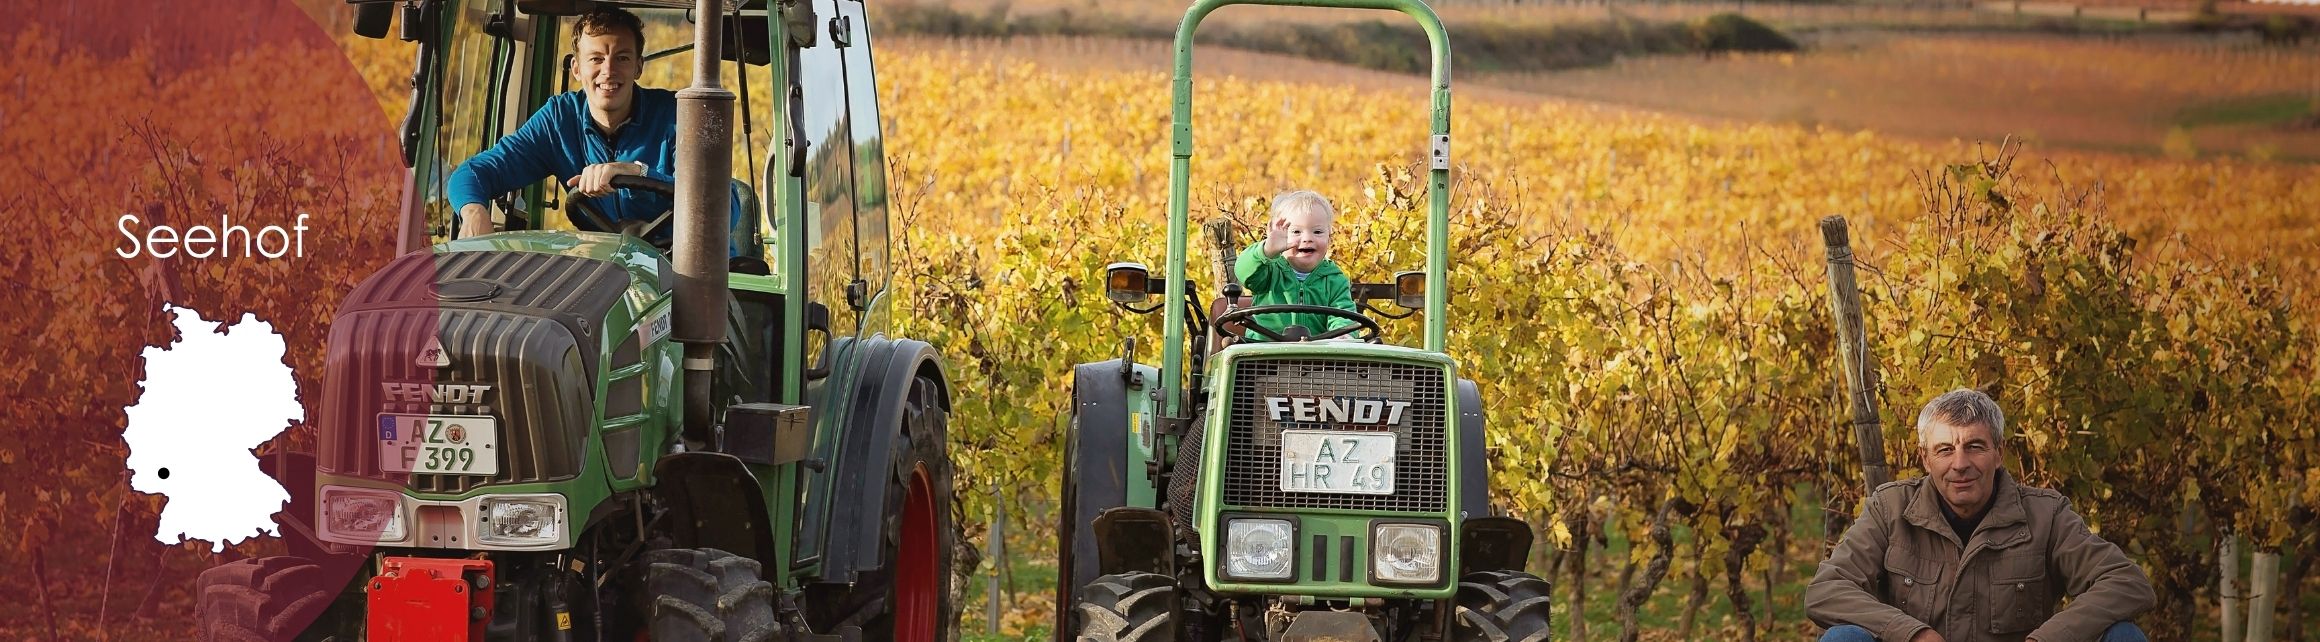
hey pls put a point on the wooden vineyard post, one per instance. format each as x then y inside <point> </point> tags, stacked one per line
<point>1853,352</point>
<point>1220,237</point>
<point>1220,233</point>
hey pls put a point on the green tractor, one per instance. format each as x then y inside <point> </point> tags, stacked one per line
<point>1308,487</point>
<point>542,434</point>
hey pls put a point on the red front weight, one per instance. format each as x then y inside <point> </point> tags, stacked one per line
<point>418,599</point>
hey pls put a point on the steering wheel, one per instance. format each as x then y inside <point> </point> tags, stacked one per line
<point>1247,317</point>
<point>639,229</point>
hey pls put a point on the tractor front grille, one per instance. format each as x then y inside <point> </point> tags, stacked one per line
<point>524,324</point>
<point>1252,475</point>
<point>538,390</point>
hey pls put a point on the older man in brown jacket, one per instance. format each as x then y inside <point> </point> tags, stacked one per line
<point>1965,554</point>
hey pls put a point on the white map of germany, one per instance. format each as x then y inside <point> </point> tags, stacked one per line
<point>209,399</point>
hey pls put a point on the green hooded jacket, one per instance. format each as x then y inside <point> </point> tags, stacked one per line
<point>1270,281</point>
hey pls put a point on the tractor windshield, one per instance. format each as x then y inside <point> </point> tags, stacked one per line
<point>489,72</point>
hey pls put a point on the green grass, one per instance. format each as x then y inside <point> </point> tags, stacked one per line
<point>1027,577</point>
<point>1036,634</point>
<point>2254,110</point>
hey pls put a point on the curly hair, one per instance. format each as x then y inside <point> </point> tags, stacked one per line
<point>605,20</point>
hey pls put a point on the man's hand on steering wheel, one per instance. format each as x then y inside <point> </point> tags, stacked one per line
<point>1247,318</point>
<point>637,228</point>
<point>596,180</point>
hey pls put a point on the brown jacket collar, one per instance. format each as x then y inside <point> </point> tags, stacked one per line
<point>1998,528</point>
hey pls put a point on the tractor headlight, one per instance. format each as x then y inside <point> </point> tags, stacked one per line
<point>361,515</point>
<point>1259,549</point>
<point>1407,553</point>
<point>522,520</point>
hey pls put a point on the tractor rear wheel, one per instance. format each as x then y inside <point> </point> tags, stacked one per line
<point>708,595</point>
<point>268,599</point>
<point>910,599</point>
<point>1128,607</point>
<point>1504,606</point>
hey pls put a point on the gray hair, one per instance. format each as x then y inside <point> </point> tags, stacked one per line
<point>1303,200</point>
<point>1961,408</point>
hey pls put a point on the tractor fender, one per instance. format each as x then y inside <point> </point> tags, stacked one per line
<point>713,502</point>
<point>1493,544</point>
<point>877,402</point>
<point>1473,454</point>
<point>1136,540</point>
<point>1096,474</point>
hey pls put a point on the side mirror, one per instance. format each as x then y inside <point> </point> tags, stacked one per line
<point>373,19</point>
<point>1410,289</point>
<point>1127,282</point>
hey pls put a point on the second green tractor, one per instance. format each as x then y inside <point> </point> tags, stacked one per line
<point>1326,487</point>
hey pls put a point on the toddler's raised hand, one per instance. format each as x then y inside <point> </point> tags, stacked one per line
<point>1277,238</point>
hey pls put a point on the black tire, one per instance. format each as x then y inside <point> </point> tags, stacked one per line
<point>269,599</point>
<point>1504,606</point>
<point>708,595</point>
<point>1128,607</point>
<point>870,603</point>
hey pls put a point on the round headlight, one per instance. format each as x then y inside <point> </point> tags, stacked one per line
<point>1408,553</point>
<point>1259,548</point>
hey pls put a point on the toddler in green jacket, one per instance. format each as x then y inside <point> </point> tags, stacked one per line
<point>1292,265</point>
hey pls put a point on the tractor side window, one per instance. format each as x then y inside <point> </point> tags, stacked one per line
<point>869,162</point>
<point>831,258</point>
<point>474,106</point>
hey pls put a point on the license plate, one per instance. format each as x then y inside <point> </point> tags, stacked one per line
<point>439,444</point>
<point>1336,461</point>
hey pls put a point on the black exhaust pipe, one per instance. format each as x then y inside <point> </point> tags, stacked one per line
<point>704,165</point>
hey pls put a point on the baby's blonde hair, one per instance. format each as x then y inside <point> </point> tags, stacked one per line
<point>1303,200</point>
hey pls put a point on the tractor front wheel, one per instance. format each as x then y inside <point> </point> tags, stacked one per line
<point>1128,607</point>
<point>1504,606</point>
<point>708,595</point>
<point>269,599</point>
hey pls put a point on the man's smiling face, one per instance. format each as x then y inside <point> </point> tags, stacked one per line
<point>605,65</point>
<point>1962,464</point>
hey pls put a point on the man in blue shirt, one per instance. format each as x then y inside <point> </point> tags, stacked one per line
<point>609,128</point>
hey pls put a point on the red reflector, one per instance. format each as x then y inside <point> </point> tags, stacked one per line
<point>424,599</point>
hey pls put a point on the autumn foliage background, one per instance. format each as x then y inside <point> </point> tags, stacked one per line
<point>178,113</point>
<point>1640,296</point>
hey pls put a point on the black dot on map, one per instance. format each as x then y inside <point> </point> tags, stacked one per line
<point>164,473</point>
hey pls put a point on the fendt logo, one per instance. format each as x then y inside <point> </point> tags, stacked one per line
<point>452,393</point>
<point>1336,410</point>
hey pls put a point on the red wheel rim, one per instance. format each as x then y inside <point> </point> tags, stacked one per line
<point>915,574</point>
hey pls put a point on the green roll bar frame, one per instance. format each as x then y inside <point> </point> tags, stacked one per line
<point>1180,179</point>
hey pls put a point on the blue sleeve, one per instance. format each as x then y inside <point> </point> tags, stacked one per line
<point>517,160</point>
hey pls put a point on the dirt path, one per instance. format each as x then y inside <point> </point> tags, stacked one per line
<point>1130,55</point>
<point>2144,95</point>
